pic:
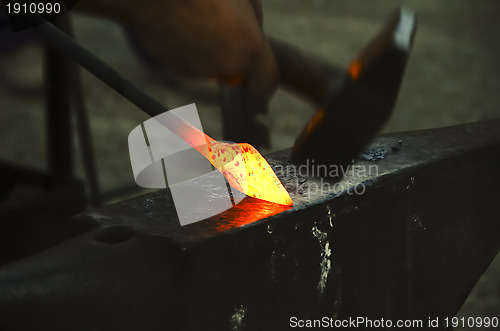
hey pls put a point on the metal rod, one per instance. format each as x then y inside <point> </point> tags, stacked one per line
<point>82,123</point>
<point>57,113</point>
<point>111,77</point>
<point>101,70</point>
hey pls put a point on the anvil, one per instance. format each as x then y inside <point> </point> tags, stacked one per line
<point>408,240</point>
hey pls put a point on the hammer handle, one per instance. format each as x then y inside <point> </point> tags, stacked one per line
<point>309,76</point>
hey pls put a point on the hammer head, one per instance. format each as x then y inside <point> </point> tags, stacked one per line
<point>353,115</point>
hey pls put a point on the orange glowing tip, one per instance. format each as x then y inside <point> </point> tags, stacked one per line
<point>247,171</point>
<point>241,164</point>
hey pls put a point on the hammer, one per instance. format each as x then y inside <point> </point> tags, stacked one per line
<point>352,104</point>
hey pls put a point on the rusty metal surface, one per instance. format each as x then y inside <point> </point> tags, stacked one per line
<point>412,246</point>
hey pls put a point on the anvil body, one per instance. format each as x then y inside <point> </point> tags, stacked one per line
<point>411,246</point>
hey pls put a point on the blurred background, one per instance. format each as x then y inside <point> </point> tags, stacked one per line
<point>452,77</point>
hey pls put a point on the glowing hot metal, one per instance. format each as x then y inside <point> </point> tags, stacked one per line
<point>242,165</point>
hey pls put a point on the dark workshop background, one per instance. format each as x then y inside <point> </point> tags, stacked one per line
<point>452,77</point>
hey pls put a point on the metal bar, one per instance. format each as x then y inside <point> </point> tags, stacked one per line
<point>58,119</point>
<point>239,117</point>
<point>411,246</point>
<point>97,67</point>
<point>82,124</point>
